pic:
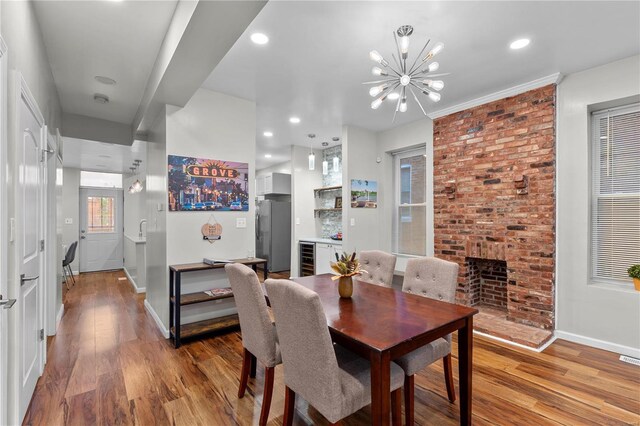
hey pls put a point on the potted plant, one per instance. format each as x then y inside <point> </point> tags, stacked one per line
<point>345,267</point>
<point>634,272</point>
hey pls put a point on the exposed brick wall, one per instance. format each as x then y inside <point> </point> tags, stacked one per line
<point>485,150</point>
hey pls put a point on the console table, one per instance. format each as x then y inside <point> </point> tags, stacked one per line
<point>177,299</point>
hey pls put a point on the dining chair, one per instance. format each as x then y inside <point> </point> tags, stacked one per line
<point>437,279</point>
<point>69,257</point>
<point>259,338</point>
<point>330,378</point>
<point>379,267</point>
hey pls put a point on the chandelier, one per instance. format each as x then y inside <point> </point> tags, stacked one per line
<point>405,79</point>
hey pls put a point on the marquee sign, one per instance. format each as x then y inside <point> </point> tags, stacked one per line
<point>211,171</point>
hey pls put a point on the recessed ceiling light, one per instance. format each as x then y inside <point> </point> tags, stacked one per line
<point>268,134</point>
<point>259,38</point>
<point>294,120</point>
<point>100,98</point>
<point>105,80</point>
<point>520,43</point>
<point>267,156</point>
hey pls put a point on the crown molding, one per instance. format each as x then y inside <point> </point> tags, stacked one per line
<point>501,94</point>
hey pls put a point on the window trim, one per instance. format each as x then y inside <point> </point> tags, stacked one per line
<point>594,195</point>
<point>397,157</point>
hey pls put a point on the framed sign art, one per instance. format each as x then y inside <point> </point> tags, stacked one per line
<point>198,184</point>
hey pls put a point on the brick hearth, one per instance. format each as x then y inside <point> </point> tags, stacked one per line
<point>494,171</point>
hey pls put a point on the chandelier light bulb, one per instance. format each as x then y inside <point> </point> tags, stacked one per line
<point>404,45</point>
<point>434,96</point>
<point>393,96</point>
<point>403,105</point>
<point>377,57</point>
<point>433,67</point>
<point>375,104</point>
<point>434,84</point>
<point>433,52</point>
<point>137,186</point>
<point>376,90</point>
<point>378,71</point>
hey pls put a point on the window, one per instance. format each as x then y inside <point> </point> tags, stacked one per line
<point>410,218</point>
<point>615,210</point>
<point>100,180</point>
<point>101,215</point>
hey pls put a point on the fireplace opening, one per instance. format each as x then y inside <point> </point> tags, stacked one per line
<point>487,280</point>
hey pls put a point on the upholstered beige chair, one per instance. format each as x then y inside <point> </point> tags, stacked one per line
<point>330,378</point>
<point>436,279</point>
<point>259,337</point>
<point>379,267</point>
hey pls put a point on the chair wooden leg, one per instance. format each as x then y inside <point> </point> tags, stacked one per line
<point>244,375</point>
<point>254,365</point>
<point>408,400</point>
<point>396,408</point>
<point>448,378</point>
<point>289,406</point>
<point>267,393</point>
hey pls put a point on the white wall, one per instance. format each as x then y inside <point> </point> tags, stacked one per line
<point>303,182</point>
<point>215,126</point>
<point>135,209</point>
<point>157,286</point>
<point>596,314</point>
<point>71,210</point>
<point>359,162</point>
<point>412,135</point>
<point>284,167</point>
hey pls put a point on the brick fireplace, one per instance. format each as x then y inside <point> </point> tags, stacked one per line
<point>494,203</point>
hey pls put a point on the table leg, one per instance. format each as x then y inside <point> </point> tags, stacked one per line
<point>171,293</point>
<point>176,312</point>
<point>380,388</point>
<point>266,271</point>
<point>254,364</point>
<point>465,365</point>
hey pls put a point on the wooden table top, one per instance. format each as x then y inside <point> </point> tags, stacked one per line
<point>379,317</point>
<point>201,266</point>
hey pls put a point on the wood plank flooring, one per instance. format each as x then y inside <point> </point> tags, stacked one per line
<point>108,365</point>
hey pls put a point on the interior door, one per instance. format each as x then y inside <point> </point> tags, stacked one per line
<point>29,211</point>
<point>4,240</point>
<point>101,229</point>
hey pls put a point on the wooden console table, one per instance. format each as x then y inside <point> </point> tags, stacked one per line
<point>177,330</point>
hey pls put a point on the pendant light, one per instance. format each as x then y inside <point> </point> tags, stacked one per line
<point>312,156</point>
<point>336,160</point>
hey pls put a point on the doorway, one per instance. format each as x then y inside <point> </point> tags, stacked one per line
<point>101,229</point>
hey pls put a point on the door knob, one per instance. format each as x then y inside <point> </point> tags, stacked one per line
<point>24,279</point>
<point>82,237</point>
<point>7,304</point>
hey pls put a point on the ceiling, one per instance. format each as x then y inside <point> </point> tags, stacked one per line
<point>103,157</point>
<point>317,57</point>
<point>116,39</point>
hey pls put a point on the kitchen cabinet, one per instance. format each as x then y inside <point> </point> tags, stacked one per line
<point>274,183</point>
<point>325,253</point>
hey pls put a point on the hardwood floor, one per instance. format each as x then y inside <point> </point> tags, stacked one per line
<point>108,364</point>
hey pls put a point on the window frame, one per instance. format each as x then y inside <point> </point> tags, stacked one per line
<point>595,195</point>
<point>397,196</point>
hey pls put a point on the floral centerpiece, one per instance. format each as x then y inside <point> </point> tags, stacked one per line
<point>634,272</point>
<point>345,267</point>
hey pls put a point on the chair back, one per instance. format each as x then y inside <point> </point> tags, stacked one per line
<point>310,365</point>
<point>72,249</point>
<point>69,254</point>
<point>258,334</point>
<point>379,267</point>
<point>431,277</point>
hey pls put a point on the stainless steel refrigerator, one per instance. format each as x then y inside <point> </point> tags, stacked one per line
<point>273,234</point>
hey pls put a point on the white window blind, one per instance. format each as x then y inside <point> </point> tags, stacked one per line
<point>615,211</point>
<point>410,214</point>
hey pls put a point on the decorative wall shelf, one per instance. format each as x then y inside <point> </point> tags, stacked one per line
<point>318,212</point>
<point>326,189</point>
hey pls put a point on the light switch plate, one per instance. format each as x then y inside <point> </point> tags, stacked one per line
<point>297,221</point>
<point>241,222</point>
<point>352,221</point>
<point>160,206</point>
<point>68,221</point>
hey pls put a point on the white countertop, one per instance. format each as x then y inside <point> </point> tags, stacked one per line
<point>136,239</point>
<point>321,240</point>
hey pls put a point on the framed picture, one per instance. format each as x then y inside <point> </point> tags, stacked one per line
<point>364,194</point>
<point>338,203</point>
<point>198,184</point>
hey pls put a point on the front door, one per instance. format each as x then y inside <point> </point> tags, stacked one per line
<point>101,229</point>
<point>29,212</point>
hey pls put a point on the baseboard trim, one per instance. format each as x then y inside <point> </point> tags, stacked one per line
<point>156,318</point>
<point>133,283</point>
<point>518,345</point>
<point>597,343</point>
<point>59,316</point>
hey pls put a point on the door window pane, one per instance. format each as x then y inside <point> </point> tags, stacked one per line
<point>101,214</point>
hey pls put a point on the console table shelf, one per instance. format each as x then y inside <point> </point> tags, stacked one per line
<point>178,299</point>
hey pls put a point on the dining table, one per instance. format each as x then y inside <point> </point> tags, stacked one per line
<point>382,324</point>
